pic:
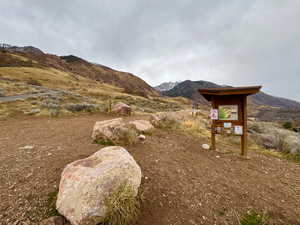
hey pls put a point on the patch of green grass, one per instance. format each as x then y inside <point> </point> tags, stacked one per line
<point>123,207</point>
<point>104,142</point>
<point>253,218</point>
<point>287,125</point>
<point>51,204</point>
<point>292,157</point>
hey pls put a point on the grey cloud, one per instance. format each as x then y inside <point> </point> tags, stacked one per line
<point>229,42</point>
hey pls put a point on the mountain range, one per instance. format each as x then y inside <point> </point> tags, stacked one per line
<point>189,89</point>
<point>166,86</point>
<point>29,56</point>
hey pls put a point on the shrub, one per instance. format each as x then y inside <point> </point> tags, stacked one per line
<point>32,81</point>
<point>123,207</point>
<point>168,124</point>
<point>288,125</point>
<point>253,218</point>
<point>33,112</point>
<point>82,107</point>
<point>164,121</point>
<point>126,135</point>
<point>50,106</point>
<point>54,112</point>
<point>2,93</point>
<point>51,200</point>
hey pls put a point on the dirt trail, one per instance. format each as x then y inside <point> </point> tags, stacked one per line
<point>182,184</point>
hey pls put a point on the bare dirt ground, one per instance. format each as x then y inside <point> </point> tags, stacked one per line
<point>182,184</point>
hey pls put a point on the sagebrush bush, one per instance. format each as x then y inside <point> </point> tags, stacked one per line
<point>82,107</point>
<point>126,135</point>
<point>32,81</point>
<point>168,123</point>
<point>287,125</point>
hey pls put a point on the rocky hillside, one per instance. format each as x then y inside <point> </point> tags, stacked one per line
<point>28,56</point>
<point>189,89</point>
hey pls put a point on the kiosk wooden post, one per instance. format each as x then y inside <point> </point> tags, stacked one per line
<point>231,106</point>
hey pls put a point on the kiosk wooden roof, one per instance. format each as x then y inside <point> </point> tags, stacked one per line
<point>207,93</point>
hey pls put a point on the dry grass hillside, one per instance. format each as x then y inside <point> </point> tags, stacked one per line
<point>35,83</point>
<point>51,91</point>
<point>33,57</point>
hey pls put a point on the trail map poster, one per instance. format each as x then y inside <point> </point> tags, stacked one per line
<point>228,112</point>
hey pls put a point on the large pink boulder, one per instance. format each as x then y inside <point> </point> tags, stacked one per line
<point>86,184</point>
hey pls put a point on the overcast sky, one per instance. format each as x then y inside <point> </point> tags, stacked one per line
<point>234,42</point>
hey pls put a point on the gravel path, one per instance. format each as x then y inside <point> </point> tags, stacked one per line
<point>182,184</point>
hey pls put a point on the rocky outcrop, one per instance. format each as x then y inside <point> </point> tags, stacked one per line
<point>104,130</point>
<point>122,109</point>
<point>115,131</point>
<point>158,119</point>
<point>271,136</point>
<point>142,125</point>
<point>168,118</point>
<point>86,184</point>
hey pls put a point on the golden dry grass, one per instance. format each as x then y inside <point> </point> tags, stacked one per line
<point>196,127</point>
<point>20,58</point>
<point>16,80</point>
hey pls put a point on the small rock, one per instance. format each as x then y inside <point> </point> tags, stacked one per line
<point>27,147</point>
<point>206,146</point>
<point>121,109</point>
<point>55,220</point>
<point>142,137</point>
<point>218,156</point>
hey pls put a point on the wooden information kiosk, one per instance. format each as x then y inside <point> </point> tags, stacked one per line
<point>229,112</point>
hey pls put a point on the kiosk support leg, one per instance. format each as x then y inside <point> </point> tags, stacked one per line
<point>213,138</point>
<point>244,142</point>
